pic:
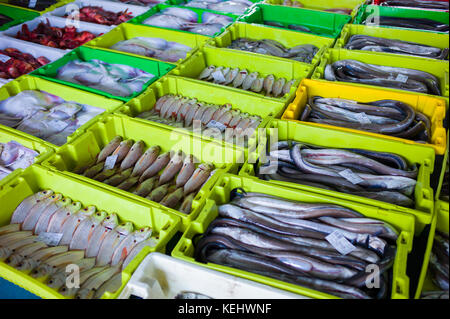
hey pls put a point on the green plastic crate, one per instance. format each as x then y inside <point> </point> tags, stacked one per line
<point>440,223</point>
<point>324,24</point>
<point>85,148</point>
<point>439,69</point>
<point>324,137</point>
<point>264,65</point>
<point>288,38</point>
<point>50,71</point>
<point>58,4</point>
<point>184,2</point>
<point>140,19</point>
<point>435,39</point>
<point>43,150</point>
<point>220,194</point>
<point>247,103</point>
<point>326,4</point>
<point>37,178</point>
<point>27,82</point>
<point>128,31</point>
<point>17,15</point>
<point>372,11</point>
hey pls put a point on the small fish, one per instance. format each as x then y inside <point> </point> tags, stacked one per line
<point>7,251</point>
<point>119,177</point>
<point>71,224</point>
<point>128,183</point>
<point>39,256</point>
<point>133,155</point>
<point>278,87</point>
<point>287,87</point>
<point>58,280</point>
<point>111,286</point>
<point>146,160</point>
<point>24,252</point>
<point>9,238</point>
<point>197,179</point>
<point>247,84</point>
<point>122,150</point>
<point>240,78</point>
<point>85,230</point>
<point>151,242</point>
<point>186,171</point>
<point>268,84</point>
<point>231,76</point>
<point>257,85</point>
<point>89,287</point>
<point>108,224</point>
<point>157,165</point>
<point>186,206</point>
<point>171,200</point>
<point>102,176</point>
<point>84,275</point>
<point>206,73</point>
<point>174,166</point>
<point>158,193</point>
<point>94,170</point>
<point>125,247</point>
<point>109,149</point>
<point>59,217</point>
<point>50,265</point>
<point>111,242</point>
<point>10,228</point>
<point>21,212</point>
<point>146,187</point>
<point>216,71</point>
<point>43,222</point>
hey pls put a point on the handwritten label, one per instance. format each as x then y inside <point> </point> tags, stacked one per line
<point>401,78</point>
<point>32,4</point>
<point>217,125</point>
<point>363,118</point>
<point>51,239</point>
<point>340,243</point>
<point>351,177</point>
<point>4,58</point>
<point>110,162</point>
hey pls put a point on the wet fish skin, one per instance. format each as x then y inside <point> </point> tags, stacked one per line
<point>107,225</point>
<point>70,225</point>
<point>133,155</point>
<point>246,85</point>
<point>58,279</point>
<point>39,256</point>
<point>268,84</point>
<point>200,175</point>
<point>84,275</point>
<point>118,178</point>
<point>206,72</point>
<point>85,230</point>
<point>43,221</point>
<point>24,252</point>
<point>158,193</point>
<point>122,150</point>
<point>172,168</point>
<point>278,87</point>
<point>7,251</point>
<point>21,212</point>
<point>146,160</point>
<point>94,170</point>
<point>111,241</point>
<point>10,228</point>
<point>87,290</point>
<point>106,174</point>
<point>38,210</point>
<point>50,265</point>
<point>109,149</point>
<point>57,220</point>
<point>127,245</point>
<point>240,78</point>
<point>7,239</point>
<point>171,200</point>
<point>111,285</point>
<point>145,188</point>
<point>128,183</point>
<point>257,85</point>
<point>157,166</point>
<point>151,242</point>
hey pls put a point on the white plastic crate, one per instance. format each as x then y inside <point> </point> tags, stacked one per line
<point>163,277</point>
<point>107,5</point>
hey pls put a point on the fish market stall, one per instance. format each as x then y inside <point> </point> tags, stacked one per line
<point>224,149</point>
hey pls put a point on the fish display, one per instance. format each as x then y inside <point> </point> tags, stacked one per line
<point>296,242</point>
<point>409,23</point>
<point>298,4</point>
<point>14,155</point>
<point>438,266</point>
<point>302,53</point>
<point>71,242</point>
<point>375,44</point>
<point>245,80</point>
<point>439,294</point>
<point>427,4</point>
<point>15,63</point>
<point>117,79</point>
<point>54,37</point>
<point>172,178</point>
<point>191,295</point>
<point>296,27</point>
<point>157,48</point>
<point>380,176</point>
<point>38,5</point>
<point>188,20</point>
<point>378,75</point>
<point>222,122</point>
<point>4,19</point>
<point>237,7</point>
<point>387,117</point>
<point>45,115</point>
<point>96,14</point>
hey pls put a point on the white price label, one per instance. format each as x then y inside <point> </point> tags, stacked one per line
<point>110,162</point>
<point>350,176</point>
<point>217,125</point>
<point>4,58</point>
<point>218,76</point>
<point>340,243</point>
<point>363,118</point>
<point>401,78</point>
<point>32,4</point>
<point>51,239</point>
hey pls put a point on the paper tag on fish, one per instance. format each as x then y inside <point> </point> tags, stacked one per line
<point>32,4</point>
<point>51,239</point>
<point>401,78</point>
<point>217,125</point>
<point>340,243</point>
<point>4,58</point>
<point>218,76</point>
<point>57,125</point>
<point>363,118</point>
<point>350,176</point>
<point>110,162</point>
